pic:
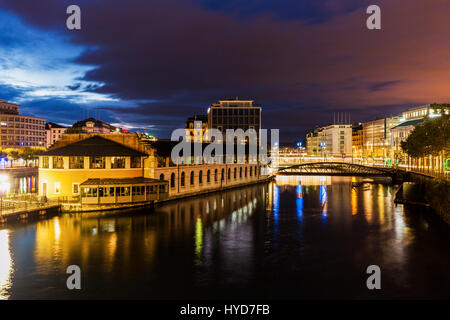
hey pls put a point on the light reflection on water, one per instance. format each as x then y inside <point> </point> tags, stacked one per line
<point>297,237</point>
<point>6,265</point>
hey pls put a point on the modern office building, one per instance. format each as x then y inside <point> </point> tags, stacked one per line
<point>234,114</point>
<point>53,132</point>
<point>18,131</point>
<point>377,137</point>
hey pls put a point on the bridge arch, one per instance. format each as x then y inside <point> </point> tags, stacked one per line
<point>335,169</point>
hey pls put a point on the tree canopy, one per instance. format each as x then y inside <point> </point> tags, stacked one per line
<point>431,137</point>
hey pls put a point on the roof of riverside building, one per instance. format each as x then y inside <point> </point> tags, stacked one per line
<point>119,181</point>
<point>409,123</point>
<point>94,146</point>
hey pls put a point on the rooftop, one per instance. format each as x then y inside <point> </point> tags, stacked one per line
<point>94,146</point>
<point>409,123</point>
<point>119,181</point>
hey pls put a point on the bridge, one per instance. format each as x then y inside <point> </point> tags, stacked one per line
<point>338,169</point>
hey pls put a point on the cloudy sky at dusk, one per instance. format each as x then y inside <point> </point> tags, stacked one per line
<point>150,64</point>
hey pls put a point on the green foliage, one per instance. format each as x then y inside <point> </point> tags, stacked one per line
<point>431,136</point>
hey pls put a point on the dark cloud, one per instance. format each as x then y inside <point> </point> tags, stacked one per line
<point>301,60</point>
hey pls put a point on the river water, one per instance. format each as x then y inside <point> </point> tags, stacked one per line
<point>294,238</point>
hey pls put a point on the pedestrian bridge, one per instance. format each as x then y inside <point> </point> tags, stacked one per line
<point>336,169</point>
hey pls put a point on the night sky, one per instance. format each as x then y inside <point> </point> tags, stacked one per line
<point>151,64</point>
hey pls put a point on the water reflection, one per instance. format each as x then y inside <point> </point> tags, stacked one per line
<point>297,237</point>
<point>6,265</point>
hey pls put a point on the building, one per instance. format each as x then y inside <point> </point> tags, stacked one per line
<point>338,140</point>
<point>91,125</point>
<point>314,144</point>
<point>18,131</point>
<point>79,162</point>
<point>357,141</point>
<point>377,137</point>
<point>400,133</point>
<point>234,114</point>
<point>334,140</point>
<point>53,132</point>
<point>418,112</point>
<point>96,172</point>
<point>196,127</point>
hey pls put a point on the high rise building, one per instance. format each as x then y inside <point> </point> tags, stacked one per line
<point>18,131</point>
<point>234,114</point>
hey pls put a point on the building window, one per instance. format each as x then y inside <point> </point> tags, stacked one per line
<point>192,178</point>
<point>245,172</point>
<point>75,188</point>
<point>240,173</point>
<point>234,175</point>
<point>58,163</point>
<point>215,175</point>
<point>122,191</point>
<point>208,176</point>
<point>89,192</point>
<point>57,188</point>
<point>229,173</point>
<point>200,177</point>
<point>117,162</point>
<point>97,162</point>
<point>76,162</point>
<point>161,177</point>
<point>172,180</point>
<point>45,162</point>
<point>135,162</point>
<point>251,171</point>
<point>183,178</point>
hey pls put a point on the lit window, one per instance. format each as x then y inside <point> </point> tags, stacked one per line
<point>57,187</point>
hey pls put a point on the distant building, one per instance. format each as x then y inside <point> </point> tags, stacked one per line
<point>92,125</point>
<point>18,131</point>
<point>418,112</point>
<point>195,133</point>
<point>377,137</point>
<point>314,143</point>
<point>338,140</point>
<point>357,140</point>
<point>234,114</point>
<point>53,132</point>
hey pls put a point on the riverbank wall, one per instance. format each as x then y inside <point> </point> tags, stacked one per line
<point>429,192</point>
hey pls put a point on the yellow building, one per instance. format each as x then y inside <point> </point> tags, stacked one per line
<point>97,171</point>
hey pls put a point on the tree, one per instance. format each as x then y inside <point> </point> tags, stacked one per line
<point>431,137</point>
<point>29,153</point>
<point>13,155</point>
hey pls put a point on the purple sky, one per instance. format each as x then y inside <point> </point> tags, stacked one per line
<point>151,64</point>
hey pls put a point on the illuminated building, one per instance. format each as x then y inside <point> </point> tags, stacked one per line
<point>96,171</point>
<point>92,125</point>
<point>234,114</point>
<point>357,140</point>
<point>196,127</point>
<point>377,137</point>
<point>53,132</point>
<point>18,131</point>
